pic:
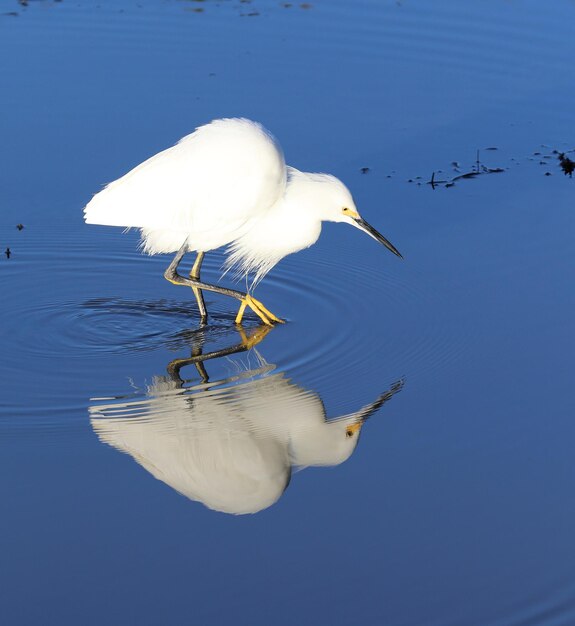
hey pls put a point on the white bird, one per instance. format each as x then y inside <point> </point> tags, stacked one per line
<point>226,184</point>
<point>232,448</point>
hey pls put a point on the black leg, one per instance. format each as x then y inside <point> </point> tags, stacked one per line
<point>246,300</point>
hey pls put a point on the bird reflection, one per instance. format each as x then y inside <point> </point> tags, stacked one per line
<point>231,444</point>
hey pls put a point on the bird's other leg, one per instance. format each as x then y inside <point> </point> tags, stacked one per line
<point>171,274</point>
<point>195,275</point>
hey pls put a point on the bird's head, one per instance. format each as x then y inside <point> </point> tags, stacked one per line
<point>328,443</point>
<point>332,202</point>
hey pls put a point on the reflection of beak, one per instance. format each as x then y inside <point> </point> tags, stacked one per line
<point>360,223</point>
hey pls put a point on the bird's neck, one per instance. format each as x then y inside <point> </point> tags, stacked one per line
<point>283,229</point>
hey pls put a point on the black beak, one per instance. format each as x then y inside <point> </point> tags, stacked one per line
<point>370,230</point>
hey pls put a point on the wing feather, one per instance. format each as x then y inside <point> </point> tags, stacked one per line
<point>211,181</point>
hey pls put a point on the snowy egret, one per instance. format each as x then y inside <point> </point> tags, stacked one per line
<point>226,184</point>
<point>231,447</point>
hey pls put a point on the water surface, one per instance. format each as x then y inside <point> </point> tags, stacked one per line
<point>126,430</point>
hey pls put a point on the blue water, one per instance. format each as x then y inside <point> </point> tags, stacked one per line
<point>126,429</point>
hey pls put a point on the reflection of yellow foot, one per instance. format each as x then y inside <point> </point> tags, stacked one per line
<point>255,337</point>
<point>267,317</point>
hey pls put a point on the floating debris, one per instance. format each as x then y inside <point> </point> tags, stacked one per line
<point>484,170</point>
<point>364,170</point>
<point>8,253</point>
<point>434,183</point>
<point>567,165</point>
<point>20,226</point>
<point>478,170</point>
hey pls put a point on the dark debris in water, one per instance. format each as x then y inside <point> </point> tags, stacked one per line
<point>567,165</point>
<point>543,157</point>
<point>364,170</point>
<point>24,4</point>
<point>8,253</point>
<point>478,169</point>
<point>20,226</point>
<point>238,5</point>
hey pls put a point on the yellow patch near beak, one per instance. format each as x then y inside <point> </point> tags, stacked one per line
<point>354,428</point>
<point>349,213</point>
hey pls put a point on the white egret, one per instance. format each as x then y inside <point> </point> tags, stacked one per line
<point>226,184</point>
<point>231,447</point>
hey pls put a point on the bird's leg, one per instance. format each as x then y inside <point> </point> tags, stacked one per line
<point>171,274</point>
<point>195,275</point>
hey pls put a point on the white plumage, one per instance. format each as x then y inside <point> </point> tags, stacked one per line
<point>205,188</point>
<point>226,184</point>
<point>233,451</point>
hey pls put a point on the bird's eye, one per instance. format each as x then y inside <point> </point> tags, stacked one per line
<point>345,210</point>
<point>349,432</point>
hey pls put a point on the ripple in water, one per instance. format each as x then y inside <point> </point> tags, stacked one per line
<point>339,326</point>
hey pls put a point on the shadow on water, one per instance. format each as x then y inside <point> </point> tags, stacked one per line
<point>230,443</point>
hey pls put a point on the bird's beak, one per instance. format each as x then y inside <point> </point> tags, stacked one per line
<point>360,223</point>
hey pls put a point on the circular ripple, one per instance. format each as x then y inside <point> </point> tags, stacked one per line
<point>346,324</point>
<point>332,303</point>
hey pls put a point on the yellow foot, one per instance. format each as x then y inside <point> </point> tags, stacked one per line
<point>267,317</point>
<point>266,312</point>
